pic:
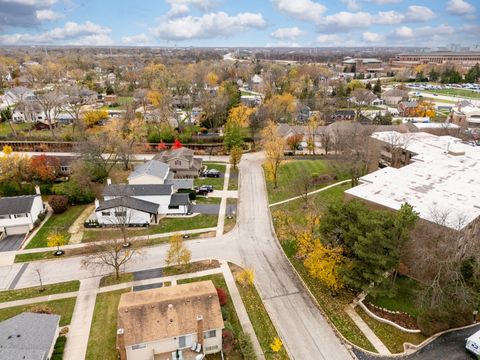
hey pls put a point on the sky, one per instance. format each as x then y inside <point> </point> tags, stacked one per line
<point>232,23</point>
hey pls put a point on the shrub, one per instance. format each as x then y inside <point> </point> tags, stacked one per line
<point>41,216</point>
<point>432,321</point>
<point>192,195</point>
<point>37,223</point>
<point>76,194</point>
<point>245,277</point>
<point>227,341</point>
<point>225,313</point>
<point>58,203</point>
<point>246,346</point>
<point>222,296</point>
<point>41,309</point>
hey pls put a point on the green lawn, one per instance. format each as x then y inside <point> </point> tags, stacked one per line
<point>111,280</point>
<point>392,337</point>
<point>6,130</point>
<point>60,222</point>
<point>288,174</point>
<point>456,92</point>
<point>404,300</point>
<point>166,225</point>
<point>103,332</point>
<point>63,307</point>
<point>27,293</point>
<point>232,323</point>
<point>217,183</point>
<point>208,200</point>
<point>332,306</point>
<point>233,181</point>
<point>261,322</point>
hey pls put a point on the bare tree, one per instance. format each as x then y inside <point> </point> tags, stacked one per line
<point>77,98</point>
<point>40,280</point>
<point>304,184</point>
<point>50,102</point>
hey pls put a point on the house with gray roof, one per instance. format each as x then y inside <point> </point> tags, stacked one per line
<point>19,213</point>
<point>181,162</point>
<point>157,172</point>
<point>28,336</point>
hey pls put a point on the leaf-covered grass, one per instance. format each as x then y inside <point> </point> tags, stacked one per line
<point>288,174</point>
<point>6,130</point>
<point>166,225</point>
<point>233,180</point>
<point>63,307</point>
<point>392,337</point>
<point>261,322</point>
<point>60,223</point>
<point>32,292</point>
<point>103,331</point>
<point>112,280</point>
<point>404,299</point>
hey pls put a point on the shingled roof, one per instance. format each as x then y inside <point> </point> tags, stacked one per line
<point>129,202</point>
<point>137,190</point>
<point>168,312</point>
<point>152,167</point>
<point>16,204</point>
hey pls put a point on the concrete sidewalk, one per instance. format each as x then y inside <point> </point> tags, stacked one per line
<point>76,229</point>
<point>370,335</point>
<point>241,311</point>
<point>78,335</point>
<point>223,203</point>
<point>310,193</point>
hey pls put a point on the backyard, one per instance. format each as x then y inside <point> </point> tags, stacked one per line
<point>288,175</point>
<point>60,223</point>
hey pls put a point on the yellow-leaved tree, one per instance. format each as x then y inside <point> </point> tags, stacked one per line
<point>177,253</point>
<point>274,146</point>
<point>240,115</point>
<point>56,239</point>
<point>276,345</point>
<point>93,117</point>
<point>212,79</point>
<point>246,277</point>
<point>323,263</point>
<point>7,150</point>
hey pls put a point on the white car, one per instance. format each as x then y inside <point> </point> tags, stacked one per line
<point>473,344</point>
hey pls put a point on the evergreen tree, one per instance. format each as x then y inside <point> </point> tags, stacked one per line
<point>377,89</point>
<point>473,75</point>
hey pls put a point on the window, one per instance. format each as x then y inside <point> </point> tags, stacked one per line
<point>4,216</point>
<point>210,348</point>
<point>120,213</point>
<point>20,216</point>
<point>64,168</point>
<point>105,213</point>
<point>185,341</point>
<point>139,346</point>
<point>173,206</point>
<point>209,334</point>
<point>178,162</point>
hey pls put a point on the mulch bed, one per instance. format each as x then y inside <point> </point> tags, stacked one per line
<point>402,319</point>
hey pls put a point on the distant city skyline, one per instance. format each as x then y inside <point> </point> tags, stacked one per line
<point>227,23</point>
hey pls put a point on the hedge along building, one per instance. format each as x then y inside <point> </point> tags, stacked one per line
<point>439,177</point>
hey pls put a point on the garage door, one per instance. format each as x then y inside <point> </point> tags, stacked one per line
<point>14,230</point>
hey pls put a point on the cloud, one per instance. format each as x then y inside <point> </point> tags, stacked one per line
<point>208,26</point>
<point>352,5</point>
<point>87,33</point>
<point>287,33</point>
<point>35,3</point>
<point>419,13</point>
<point>384,2</point>
<point>460,7</point>
<point>182,7</point>
<point>48,15</point>
<point>372,37</point>
<point>25,13</point>
<point>421,33</point>
<point>301,9</point>
<point>328,39</point>
<point>137,40</point>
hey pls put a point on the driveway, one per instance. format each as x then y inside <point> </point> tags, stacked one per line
<point>449,346</point>
<point>11,242</point>
<point>209,209</point>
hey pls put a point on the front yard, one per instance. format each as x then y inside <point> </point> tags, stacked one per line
<point>217,183</point>
<point>60,223</point>
<point>166,225</point>
<point>103,331</point>
<point>63,307</point>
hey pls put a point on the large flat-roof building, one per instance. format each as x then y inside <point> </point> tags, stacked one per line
<point>440,179</point>
<point>439,57</point>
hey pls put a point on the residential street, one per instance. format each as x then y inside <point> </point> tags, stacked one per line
<point>305,332</point>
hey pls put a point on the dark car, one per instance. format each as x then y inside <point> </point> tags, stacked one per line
<point>212,173</point>
<point>208,187</point>
<point>201,191</point>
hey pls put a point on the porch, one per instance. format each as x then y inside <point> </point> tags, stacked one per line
<point>185,354</point>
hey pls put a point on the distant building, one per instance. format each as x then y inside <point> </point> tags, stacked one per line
<point>466,115</point>
<point>182,162</point>
<point>394,96</point>
<point>440,57</point>
<point>370,65</point>
<point>167,322</point>
<point>28,336</point>
<point>342,115</point>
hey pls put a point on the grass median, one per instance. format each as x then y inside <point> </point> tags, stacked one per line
<point>32,292</point>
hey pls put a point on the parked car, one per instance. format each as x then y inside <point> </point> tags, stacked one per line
<point>209,188</point>
<point>201,191</point>
<point>212,173</point>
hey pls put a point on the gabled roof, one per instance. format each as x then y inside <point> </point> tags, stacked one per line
<point>130,203</point>
<point>152,167</point>
<point>396,93</point>
<point>182,152</point>
<point>137,190</point>
<point>28,334</point>
<point>168,312</point>
<point>16,204</point>
<point>179,199</point>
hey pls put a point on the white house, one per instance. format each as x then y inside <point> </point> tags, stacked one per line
<point>16,94</point>
<point>19,213</point>
<point>167,322</point>
<point>139,204</point>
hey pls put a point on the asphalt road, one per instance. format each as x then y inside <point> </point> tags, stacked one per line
<point>303,329</point>
<point>449,346</point>
<point>11,242</point>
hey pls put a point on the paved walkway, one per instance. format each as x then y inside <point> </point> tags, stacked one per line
<point>77,343</point>
<point>34,232</point>
<point>310,193</point>
<point>362,325</point>
<point>223,203</point>
<point>241,311</point>
<point>77,227</point>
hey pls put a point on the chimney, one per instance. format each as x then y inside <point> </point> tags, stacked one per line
<point>37,190</point>
<point>121,344</point>
<point>97,203</point>
<point>109,181</point>
<point>200,330</point>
